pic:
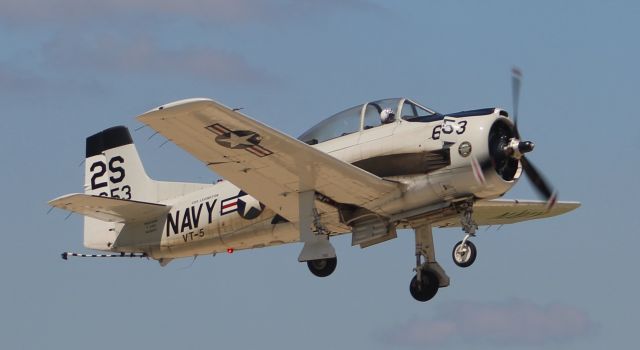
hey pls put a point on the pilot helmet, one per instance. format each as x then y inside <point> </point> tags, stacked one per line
<point>387,115</point>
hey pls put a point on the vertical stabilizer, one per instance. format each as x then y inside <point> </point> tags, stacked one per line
<point>113,169</point>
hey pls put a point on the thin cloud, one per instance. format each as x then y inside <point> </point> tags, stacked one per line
<point>227,11</point>
<point>506,324</point>
<point>139,56</point>
<point>61,10</point>
<point>14,82</point>
<point>86,37</point>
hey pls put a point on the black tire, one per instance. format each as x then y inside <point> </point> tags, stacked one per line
<point>428,288</point>
<point>470,256</point>
<point>322,267</point>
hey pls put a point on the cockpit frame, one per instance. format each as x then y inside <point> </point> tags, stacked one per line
<point>365,116</point>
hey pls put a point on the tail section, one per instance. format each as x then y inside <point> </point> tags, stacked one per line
<point>113,169</point>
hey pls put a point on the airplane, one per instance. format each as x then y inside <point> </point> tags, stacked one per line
<point>369,170</point>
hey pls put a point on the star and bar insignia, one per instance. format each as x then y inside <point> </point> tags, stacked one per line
<point>239,139</point>
<point>246,206</point>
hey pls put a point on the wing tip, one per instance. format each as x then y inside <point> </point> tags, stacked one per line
<point>56,200</point>
<point>176,104</point>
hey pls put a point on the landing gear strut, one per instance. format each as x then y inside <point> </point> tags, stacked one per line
<point>429,274</point>
<point>465,252</point>
<point>317,251</point>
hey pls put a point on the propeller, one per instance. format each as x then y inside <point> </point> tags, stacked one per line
<point>516,148</point>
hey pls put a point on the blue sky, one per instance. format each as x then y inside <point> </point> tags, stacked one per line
<point>70,68</point>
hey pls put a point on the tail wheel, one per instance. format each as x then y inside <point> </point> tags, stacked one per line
<point>464,253</point>
<point>427,288</point>
<point>322,267</point>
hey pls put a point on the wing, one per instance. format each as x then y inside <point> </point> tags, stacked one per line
<point>264,162</point>
<point>500,212</point>
<point>109,209</point>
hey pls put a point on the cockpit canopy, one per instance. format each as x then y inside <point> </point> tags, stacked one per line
<point>366,116</point>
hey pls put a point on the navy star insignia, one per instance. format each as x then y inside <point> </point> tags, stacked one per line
<point>239,139</point>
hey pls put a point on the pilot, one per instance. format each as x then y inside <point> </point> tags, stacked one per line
<point>387,116</point>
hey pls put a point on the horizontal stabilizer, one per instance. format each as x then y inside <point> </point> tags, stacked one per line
<point>109,209</point>
<point>510,211</point>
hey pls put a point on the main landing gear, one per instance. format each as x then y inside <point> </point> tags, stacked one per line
<point>465,252</point>
<point>317,251</point>
<point>429,274</point>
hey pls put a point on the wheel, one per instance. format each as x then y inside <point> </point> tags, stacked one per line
<point>464,255</point>
<point>428,287</point>
<point>322,267</point>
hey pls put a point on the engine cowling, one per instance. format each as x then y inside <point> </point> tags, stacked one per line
<point>500,135</point>
<point>479,165</point>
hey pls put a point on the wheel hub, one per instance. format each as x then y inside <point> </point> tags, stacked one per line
<point>319,264</point>
<point>462,253</point>
<point>424,288</point>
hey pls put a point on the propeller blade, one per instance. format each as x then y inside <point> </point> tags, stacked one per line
<point>539,182</point>
<point>516,81</point>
